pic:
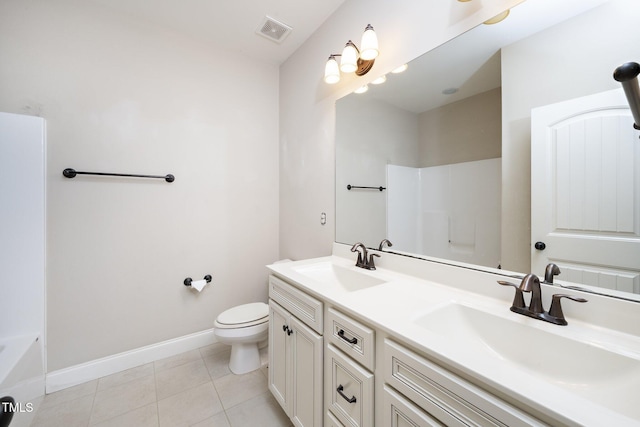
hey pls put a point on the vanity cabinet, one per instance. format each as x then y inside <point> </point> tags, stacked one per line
<point>444,396</point>
<point>295,353</point>
<point>349,362</point>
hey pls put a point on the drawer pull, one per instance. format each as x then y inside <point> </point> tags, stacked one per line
<point>349,340</point>
<point>339,390</point>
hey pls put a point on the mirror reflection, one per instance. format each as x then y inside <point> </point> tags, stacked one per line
<point>449,140</point>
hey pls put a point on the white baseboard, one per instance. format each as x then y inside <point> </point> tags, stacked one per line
<point>78,374</point>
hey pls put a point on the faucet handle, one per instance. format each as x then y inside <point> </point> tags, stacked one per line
<point>371,265</point>
<point>518,299</point>
<point>555,310</point>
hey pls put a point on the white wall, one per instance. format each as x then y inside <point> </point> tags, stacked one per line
<point>122,95</point>
<point>571,59</point>
<point>406,29</point>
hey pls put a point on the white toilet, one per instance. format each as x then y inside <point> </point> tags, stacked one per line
<point>243,328</point>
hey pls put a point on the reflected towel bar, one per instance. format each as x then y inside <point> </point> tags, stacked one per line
<point>627,75</point>
<point>71,173</point>
<point>349,187</point>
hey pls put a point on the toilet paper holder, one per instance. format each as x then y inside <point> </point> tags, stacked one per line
<point>188,280</point>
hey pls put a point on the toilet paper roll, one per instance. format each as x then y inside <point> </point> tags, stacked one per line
<point>198,285</point>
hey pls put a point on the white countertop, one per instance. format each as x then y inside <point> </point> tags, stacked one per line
<point>395,305</point>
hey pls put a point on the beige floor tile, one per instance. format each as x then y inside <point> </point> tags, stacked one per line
<point>71,393</point>
<point>147,416</point>
<point>214,348</point>
<point>191,406</point>
<point>70,413</point>
<point>262,410</point>
<point>177,360</point>
<point>218,363</point>
<point>125,376</point>
<point>118,400</point>
<point>235,389</point>
<point>180,378</point>
<point>219,420</point>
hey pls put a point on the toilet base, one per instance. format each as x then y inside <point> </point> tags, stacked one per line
<point>245,357</point>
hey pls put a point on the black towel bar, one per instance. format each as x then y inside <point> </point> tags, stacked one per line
<point>349,187</point>
<point>71,173</point>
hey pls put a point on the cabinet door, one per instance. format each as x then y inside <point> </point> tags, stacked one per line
<point>279,355</point>
<point>306,365</point>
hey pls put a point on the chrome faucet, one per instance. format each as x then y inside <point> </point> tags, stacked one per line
<point>531,284</point>
<point>364,260</point>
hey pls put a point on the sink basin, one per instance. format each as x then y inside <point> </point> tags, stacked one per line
<point>346,278</point>
<point>602,376</point>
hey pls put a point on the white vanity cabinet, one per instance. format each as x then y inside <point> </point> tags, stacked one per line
<point>442,395</point>
<point>349,362</point>
<point>295,352</point>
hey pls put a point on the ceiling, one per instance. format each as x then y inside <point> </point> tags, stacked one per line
<point>233,23</point>
<point>471,62</point>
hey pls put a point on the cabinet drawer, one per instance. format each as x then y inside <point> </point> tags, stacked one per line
<point>303,306</point>
<point>331,421</point>
<point>399,412</point>
<point>351,336</point>
<point>348,389</point>
<point>447,397</point>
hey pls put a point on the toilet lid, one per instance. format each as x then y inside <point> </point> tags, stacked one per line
<point>244,314</point>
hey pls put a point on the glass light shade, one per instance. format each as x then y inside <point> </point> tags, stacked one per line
<point>349,59</point>
<point>369,44</point>
<point>331,71</point>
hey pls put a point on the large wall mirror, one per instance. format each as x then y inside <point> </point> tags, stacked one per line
<point>446,147</point>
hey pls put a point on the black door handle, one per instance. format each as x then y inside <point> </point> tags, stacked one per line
<point>540,246</point>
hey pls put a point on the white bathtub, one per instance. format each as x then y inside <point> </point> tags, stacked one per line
<point>22,375</point>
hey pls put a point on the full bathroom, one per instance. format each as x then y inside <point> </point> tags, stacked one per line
<point>130,275</point>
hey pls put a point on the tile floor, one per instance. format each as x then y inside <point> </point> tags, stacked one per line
<point>195,388</point>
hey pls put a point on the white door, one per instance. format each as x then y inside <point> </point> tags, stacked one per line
<point>585,191</point>
<point>306,364</point>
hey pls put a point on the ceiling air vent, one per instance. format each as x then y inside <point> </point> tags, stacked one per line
<point>273,30</point>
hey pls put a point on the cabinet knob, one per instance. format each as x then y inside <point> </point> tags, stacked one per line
<point>540,246</point>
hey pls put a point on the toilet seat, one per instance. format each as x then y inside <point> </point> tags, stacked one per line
<point>243,316</point>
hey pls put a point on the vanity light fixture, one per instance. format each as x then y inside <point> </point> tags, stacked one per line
<point>352,59</point>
